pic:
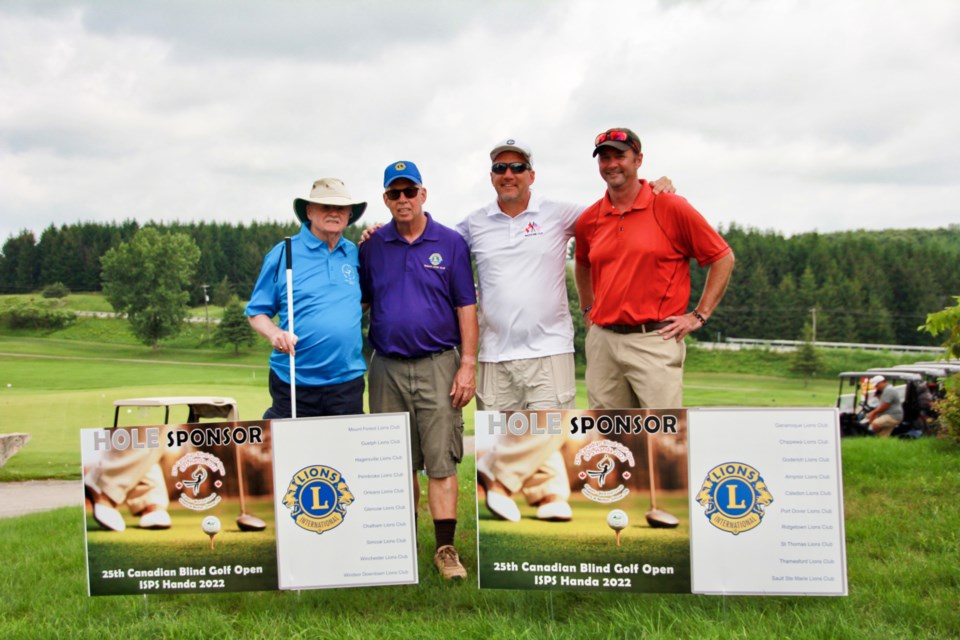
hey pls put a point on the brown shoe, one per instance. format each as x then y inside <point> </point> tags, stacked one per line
<point>448,563</point>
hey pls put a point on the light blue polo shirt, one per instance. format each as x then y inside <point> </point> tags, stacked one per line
<point>326,309</point>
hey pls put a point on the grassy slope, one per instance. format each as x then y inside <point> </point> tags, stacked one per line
<point>902,541</point>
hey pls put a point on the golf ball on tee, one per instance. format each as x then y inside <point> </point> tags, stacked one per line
<point>617,519</point>
<point>210,525</point>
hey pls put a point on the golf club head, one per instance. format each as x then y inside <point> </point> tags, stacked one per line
<point>247,522</point>
<point>659,519</point>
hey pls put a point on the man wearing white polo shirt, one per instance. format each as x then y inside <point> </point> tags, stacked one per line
<point>519,242</point>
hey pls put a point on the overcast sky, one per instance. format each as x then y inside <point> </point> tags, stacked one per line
<point>787,115</point>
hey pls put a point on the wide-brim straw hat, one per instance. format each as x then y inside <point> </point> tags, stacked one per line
<point>329,191</point>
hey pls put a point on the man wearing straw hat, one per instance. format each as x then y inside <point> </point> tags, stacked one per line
<point>326,299</point>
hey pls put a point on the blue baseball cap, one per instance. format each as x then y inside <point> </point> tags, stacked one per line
<point>401,169</point>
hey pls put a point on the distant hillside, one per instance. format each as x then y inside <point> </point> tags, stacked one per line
<point>866,286</point>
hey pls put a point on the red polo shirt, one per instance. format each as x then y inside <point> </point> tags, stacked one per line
<point>640,259</point>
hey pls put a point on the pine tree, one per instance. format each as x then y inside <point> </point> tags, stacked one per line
<point>806,360</point>
<point>234,329</point>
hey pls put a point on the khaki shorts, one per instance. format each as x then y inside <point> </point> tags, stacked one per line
<point>421,387</point>
<point>530,383</point>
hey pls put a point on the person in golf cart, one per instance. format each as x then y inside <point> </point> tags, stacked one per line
<point>885,417</point>
<point>326,299</point>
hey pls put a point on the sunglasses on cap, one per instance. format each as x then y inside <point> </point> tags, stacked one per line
<point>500,168</point>
<point>408,192</point>
<point>616,135</point>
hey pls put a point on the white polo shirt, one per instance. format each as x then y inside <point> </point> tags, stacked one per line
<point>522,268</point>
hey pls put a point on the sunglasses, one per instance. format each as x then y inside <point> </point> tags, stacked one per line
<point>409,193</point>
<point>500,168</point>
<point>615,135</point>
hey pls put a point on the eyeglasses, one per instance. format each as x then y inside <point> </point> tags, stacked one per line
<point>409,193</point>
<point>500,168</point>
<point>615,135</point>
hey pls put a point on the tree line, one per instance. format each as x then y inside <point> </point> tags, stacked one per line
<point>856,286</point>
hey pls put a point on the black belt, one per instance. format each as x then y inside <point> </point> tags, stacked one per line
<point>432,354</point>
<point>646,327</point>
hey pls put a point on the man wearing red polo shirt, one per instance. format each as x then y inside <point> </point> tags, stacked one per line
<point>633,275</point>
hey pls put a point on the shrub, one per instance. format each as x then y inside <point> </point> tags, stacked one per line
<point>55,290</point>
<point>31,316</point>
<point>949,409</point>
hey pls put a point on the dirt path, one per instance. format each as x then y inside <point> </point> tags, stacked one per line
<point>21,498</point>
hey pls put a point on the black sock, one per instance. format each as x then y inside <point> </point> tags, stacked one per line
<point>444,530</point>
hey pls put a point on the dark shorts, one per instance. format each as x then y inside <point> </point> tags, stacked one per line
<point>343,399</point>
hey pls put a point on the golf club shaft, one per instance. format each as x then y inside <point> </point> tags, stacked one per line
<point>653,487</point>
<point>243,502</point>
<point>293,368</point>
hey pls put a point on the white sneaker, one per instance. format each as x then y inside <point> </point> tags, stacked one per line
<point>159,519</point>
<point>500,506</point>
<point>104,514</point>
<point>557,511</point>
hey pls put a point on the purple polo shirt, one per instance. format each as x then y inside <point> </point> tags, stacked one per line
<point>414,289</point>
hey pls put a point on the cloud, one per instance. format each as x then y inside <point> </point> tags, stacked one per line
<point>793,115</point>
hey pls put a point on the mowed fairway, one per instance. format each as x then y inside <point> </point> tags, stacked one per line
<point>51,389</point>
<point>53,398</point>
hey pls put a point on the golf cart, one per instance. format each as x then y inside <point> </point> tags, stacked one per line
<point>202,407</point>
<point>855,405</point>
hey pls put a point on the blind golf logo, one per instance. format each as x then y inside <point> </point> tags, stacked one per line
<point>195,469</point>
<point>734,497</point>
<point>599,461</point>
<point>317,497</point>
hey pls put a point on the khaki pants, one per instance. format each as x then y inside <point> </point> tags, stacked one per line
<point>633,370</point>
<point>883,426</point>
<point>532,463</point>
<point>132,476</point>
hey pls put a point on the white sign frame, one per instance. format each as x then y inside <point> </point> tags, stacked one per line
<point>375,543</point>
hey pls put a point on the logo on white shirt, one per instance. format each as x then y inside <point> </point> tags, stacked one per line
<point>532,229</point>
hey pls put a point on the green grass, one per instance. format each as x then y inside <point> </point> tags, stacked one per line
<point>91,302</point>
<point>903,533</point>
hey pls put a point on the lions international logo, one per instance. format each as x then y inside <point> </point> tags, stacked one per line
<point>600,460</point>
<point>318,498</point>
<point>400,166</point>
<point>349,274</point>
<point>734,496</point>
<point>436,259</point>
<point>196,469</point>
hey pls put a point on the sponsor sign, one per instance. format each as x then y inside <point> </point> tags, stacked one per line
<point>344,502</point>
<point>241,506</point>
<point>726,501</point>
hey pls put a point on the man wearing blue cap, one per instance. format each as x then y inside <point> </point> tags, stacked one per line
<point>416,277</point>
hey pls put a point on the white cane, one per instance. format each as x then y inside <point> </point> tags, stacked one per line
<point>293,368</point>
